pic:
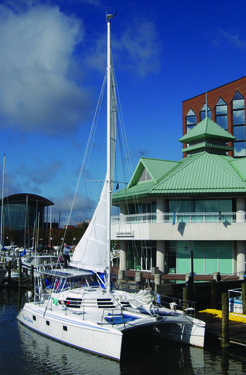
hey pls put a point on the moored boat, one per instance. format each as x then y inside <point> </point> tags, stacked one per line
<point>67,306</point>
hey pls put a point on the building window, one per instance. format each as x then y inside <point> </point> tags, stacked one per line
<point>205,112</point>
<point>141,256</point>
<point>239,132</point>
<point>238,116</point>
<point>148,207</point>
<point>199,205</point>
<point>144,176</point>
<point>239,149</point>
<point>190,120</point>
<point>221,113</point>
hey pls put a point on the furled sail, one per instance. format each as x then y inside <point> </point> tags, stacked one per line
<point>91,251</point>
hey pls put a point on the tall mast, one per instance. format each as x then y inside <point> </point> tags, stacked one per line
<point>109,193</point>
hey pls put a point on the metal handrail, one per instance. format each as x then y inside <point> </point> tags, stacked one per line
<point>179,217</point>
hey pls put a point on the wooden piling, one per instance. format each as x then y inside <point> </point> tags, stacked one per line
<point>225,320</point>
<point>213,294</point>
<point>186,297</point>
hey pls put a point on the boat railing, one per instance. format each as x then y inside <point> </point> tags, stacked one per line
<point>235,300</point>
<point>113,316</point>
<point>179,217</point>
<point>188,307</point>
<point>235,293</point>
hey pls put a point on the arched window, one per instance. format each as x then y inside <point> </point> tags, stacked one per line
<point>205,112</point>
<point>221,113</point>
<point>238,117</point>
<point>190,120</point>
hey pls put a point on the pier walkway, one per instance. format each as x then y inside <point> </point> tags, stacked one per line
<point>237,326</point>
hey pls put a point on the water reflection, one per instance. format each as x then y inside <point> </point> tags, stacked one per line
<point>42,354</point>
<point>26,352</point>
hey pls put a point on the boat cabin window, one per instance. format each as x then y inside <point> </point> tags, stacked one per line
<point>64,328</point>
<point>47,323</point>
<point>34,317</point>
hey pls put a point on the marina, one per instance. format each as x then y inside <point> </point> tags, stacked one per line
<point>35,354</point>
<point>160,288</point>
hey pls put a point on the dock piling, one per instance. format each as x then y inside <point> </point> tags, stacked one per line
<point>213,294</point>
<point>225,320</point>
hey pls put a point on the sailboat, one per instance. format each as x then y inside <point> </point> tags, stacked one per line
<point>3,270</point>
<point>74,311</point>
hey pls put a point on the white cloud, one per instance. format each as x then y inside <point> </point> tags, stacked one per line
<point>141,41</point>
<point>96,55</point>
<point>82,210</point>
<point>37,92</point>
<point>239,152</point>
<point>232,38</point>
<point>137,49</point>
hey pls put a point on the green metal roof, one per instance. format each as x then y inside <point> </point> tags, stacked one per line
<point>240,167</point>
<point>156,168</point>
<point>206,146</point>
<point>206,171</point>
<point>202,173</point>
<point>136,192</point>
<point>199,174</point>
<point>206,129</point>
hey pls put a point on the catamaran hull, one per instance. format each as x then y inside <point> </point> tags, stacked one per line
<point>71,331</point>
<point>2,274</point>
<point>186,332</point>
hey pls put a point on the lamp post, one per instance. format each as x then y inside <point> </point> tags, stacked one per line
<point>191,264</point>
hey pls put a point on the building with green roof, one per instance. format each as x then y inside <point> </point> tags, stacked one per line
<point>197,203</point>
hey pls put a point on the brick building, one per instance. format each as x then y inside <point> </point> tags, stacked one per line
<point>226,106</point>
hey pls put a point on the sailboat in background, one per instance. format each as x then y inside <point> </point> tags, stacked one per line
<point>3,270</point>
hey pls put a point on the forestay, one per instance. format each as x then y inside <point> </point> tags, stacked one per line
<point>91,251</point>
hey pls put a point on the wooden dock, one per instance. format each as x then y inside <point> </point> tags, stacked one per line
<point>237,329</point>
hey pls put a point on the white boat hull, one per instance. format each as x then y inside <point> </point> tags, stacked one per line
<point>184,330</point>
<point>73,330</point>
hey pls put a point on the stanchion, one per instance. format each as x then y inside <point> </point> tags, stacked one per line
<point>32,279</point>
<point>244,297</point>
<point>20,267</point>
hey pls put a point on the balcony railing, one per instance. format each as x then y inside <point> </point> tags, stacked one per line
<point>180,217</point>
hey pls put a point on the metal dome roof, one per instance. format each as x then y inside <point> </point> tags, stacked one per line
<point>32,199</point>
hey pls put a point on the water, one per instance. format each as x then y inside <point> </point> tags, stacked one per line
<point>25,352</point>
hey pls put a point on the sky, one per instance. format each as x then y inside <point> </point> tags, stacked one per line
<point>52,65</point>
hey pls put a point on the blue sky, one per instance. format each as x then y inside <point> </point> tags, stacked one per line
<point>53,57</point>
